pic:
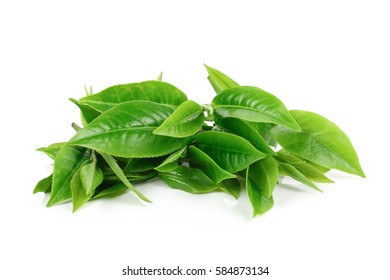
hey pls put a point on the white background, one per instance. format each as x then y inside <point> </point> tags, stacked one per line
<point>331,57</point>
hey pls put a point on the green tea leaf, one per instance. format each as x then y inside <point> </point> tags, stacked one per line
<point>44,184</point>
<point>91,175</point>
<point>142,164</point>
<point>79,195</point>
<point>260,203</point>
<point>253,104</point>
<point>111,190</point>
<point>52,150</point>
<point>133,177</point>
<point>291,171</point>
<point>121,175</point>
<point>127,131</point>
<point>218,80</point>
<point>187,179</point>
<point>231,186</point>
<point>68,160</point>
<point>202,161</point>
<point>316,166</point>
<point>88,114</point>
<point>231,152</point>
<point>264,174</point>
<point>320,141</point>
<point>171,162</point>
<point>245,130</point>
<point>156,91</point>
<point>306,169</point>
<point>264,129</point>
<point>185,121</point>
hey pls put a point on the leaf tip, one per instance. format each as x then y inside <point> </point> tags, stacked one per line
<point>295,126</point>
<point>160,77</point>
<point>73,100</point>
<point>208,68</point>
<point>360,172</point>
<point>75,208</point>
<point>50,203</point>
<point>158,131</point>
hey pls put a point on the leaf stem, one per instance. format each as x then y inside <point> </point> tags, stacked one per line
<point>75,126</point>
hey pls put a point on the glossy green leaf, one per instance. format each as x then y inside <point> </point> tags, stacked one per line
<point>91,175</point>
<point>121,175</point>
<point>291,171</point>
<point>198,159</point>
<point>127,131</point>
<point>111,190</point>
<point>185,121</point>
<point>260,203</point>
<point>231,152</point>
<point>141,176</point>
<point>44,185</point>
<point>68,160</point>
<point>306,169</point>
<point>79,195</point>
<point>187,179</point>
<point>142,164</point>
<point>88,114</point>
<point>52,150</point>
<point>264,174</point>
<point>316,166</point>
<point>253,104</point>
<point>156,91</point>
<point>245,130</point>
<point>132,177</point>
<point>218,80</point>
<point>320,141</point>
<point>231,186</point>
<point>264,129</point>
<point>171,162</point>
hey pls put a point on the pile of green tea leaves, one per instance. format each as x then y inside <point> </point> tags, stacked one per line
<point>246,138</point>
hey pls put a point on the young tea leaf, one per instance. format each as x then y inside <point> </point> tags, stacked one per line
<point>231,152</point>
<point>218,80</point>
<point>253,104</point>
<point>52,150</point>
<point>143,164</point>
<point>320,141</point>
<point>156,91</point>
<point>291,171</point>
<point>231,186</point>
<point>44,184</point>
<point>187,179</point>
<point>316,166</point>
<point>88,114</point>
<point>79,195</point>
<point>127,131</point>
<point>245,130</point>
<point>264,174</point>
<point>202,161</point>
<point>185,121</point>
<point>306,169</point>
<point>264,129</point>
<point>260,203</point>
<point>171,162</point>
<point>91,175</point>
<point>69,159</point>
<point>119,172</point>
<point>111,190</point>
